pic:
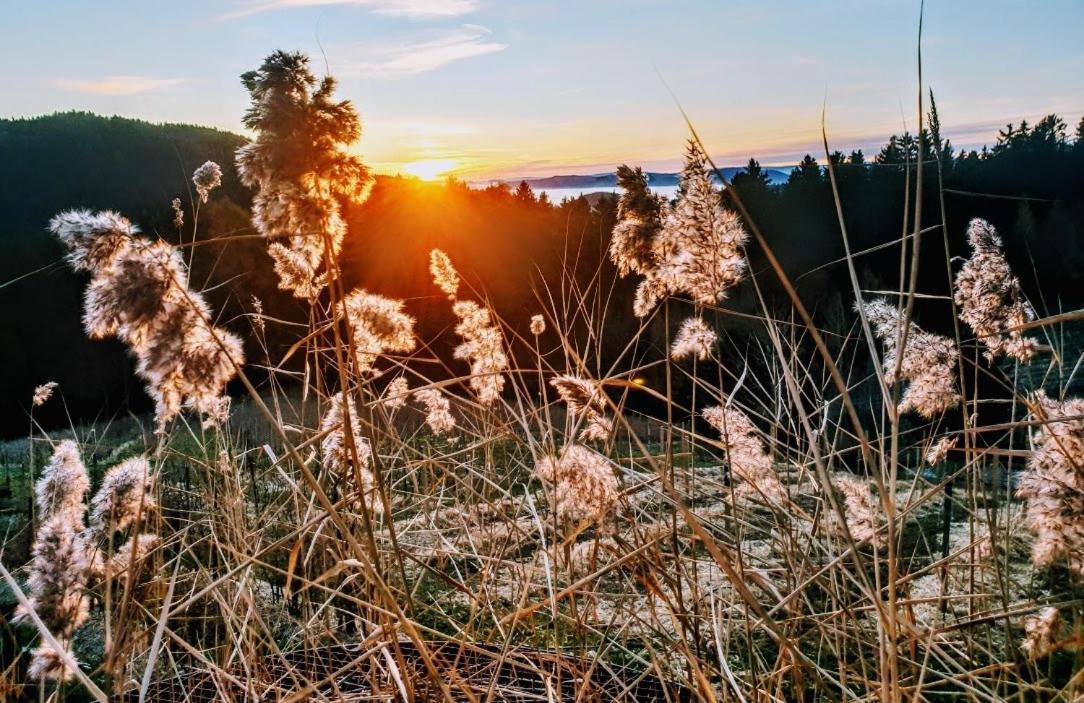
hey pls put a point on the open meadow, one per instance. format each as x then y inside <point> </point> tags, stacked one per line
<point>283,429</point>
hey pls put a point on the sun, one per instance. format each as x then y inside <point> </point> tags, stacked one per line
<point>429,169</point>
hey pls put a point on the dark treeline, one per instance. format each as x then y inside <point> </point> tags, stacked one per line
<point>510,244</point>
<point>1030,185</point>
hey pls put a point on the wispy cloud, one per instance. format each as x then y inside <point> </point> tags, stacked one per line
<point>117,85</point>
<point>396,8</point>
<point>413,58</point>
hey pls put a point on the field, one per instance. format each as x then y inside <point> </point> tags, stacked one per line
<point>762,505</point>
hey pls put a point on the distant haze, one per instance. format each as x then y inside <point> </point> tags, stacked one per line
<point>557,188</point>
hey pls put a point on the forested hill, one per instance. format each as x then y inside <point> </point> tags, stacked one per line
<point>71,160</point>
<point>508,242</point>
<point>77,159</point>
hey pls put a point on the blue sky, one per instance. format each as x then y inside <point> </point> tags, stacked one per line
<point>486,87</point>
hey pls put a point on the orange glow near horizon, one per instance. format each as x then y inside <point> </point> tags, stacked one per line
<point>430,169</point>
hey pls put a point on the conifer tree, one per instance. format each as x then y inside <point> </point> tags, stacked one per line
<point>752,177</point>
<point>807,171</point>
<point>523,193</point>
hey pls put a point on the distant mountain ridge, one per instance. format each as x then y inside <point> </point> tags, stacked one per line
<point>776,176</point>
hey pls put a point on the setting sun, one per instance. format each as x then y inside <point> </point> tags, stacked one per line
<point>430,169</point>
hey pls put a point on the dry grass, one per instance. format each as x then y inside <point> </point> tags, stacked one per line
<point>278,577</point>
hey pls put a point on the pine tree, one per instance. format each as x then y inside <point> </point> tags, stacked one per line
<point>808,171</point>
<point>891,153</point>
<point>1048,135</point>
<point>523,193</point>
<point>752,178</point>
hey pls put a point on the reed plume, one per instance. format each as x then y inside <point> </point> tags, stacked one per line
<point>1041,633</point>
<point>1053,484</point>
<point>694,338</point>
<point>700,249</point>
<point>43,393</point>
<point>639,220</point>
<point>438,410</point>
<point>396,394</point>
<point>300,166</point>
<point>444,274</point>
<point>585,399</point>
<point>335,452</point>
<point>126,494</point>
<point>483,347</point>
<point>927,363</point>
<point>61,559</point>
<point>860,509</point>
<point>378,326</point>
<point>63,485</point>
<point>746,455</point>
<point>990,299</point>
<point>206,178</point>
<point>584,481</point>
<point>139,293</point>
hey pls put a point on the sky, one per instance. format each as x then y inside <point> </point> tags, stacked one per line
<point>500,88</point>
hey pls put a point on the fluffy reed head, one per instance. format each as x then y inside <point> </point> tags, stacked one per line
<point>335,452</point>
<point>139,293</point>
<point>46,664</point>
<point>92,238</point>
<point>584,481</point>
<point>444,274</point>
<point>438,410</point>
<point>1053,483</point>
<point>58,573</point>
<point>939,450</point>
<point>746,455</point>
<point>61,557</point>
<point>396,394</point>
<point>483,347</point>
<point>639,214</point>
<point>178,213</point>
<point>301,168</point>
<point>378,326</point>
<point>585,399</point>
<point>1041,633</point>
<point>126,493</point>
<point>990,299</point>
<point>860,508</point>
<point>206,178</point>
<point>700,249</point>
<point>43,393</point>
<point>928,362</point>
<point>63,485</point>
<point>694,338</point>
<point>579,394</point>
<point>128,557</point>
